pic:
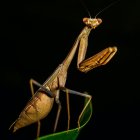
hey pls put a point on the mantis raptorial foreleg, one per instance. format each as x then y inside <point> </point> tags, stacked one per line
<point>96,60</point>
<point>99,59</point>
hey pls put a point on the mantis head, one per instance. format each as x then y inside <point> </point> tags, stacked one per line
<point>92,22</point>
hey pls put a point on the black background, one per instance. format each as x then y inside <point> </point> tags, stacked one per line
<point>36,37</point>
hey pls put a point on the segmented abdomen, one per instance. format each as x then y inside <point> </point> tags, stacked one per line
<point>36,109</point>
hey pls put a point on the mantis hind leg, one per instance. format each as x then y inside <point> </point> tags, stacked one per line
<point>66,90</point>
<point>58,113</point>
<point>33,93</point>
<point>33,82</point>
<point>68,108</point>
<point>59,110</point>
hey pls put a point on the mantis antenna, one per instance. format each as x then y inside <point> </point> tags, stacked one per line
<point>85,7</point>
<point>111,4</point>
<point>87,10</point>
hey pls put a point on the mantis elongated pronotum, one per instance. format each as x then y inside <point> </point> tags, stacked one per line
<point>42,100</point>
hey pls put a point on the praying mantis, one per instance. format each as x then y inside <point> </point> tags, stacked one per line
<point>41,103</point>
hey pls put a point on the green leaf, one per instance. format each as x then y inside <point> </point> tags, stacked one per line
<point>71,134</point>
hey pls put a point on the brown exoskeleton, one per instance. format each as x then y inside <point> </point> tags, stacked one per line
<point>42,100</point>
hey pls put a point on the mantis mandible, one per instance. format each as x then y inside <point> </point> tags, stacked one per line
<point>42,100</point>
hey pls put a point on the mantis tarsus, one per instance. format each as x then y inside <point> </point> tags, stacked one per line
<point>42,100</point>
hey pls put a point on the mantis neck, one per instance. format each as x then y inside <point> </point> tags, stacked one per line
<point>67,61</point>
